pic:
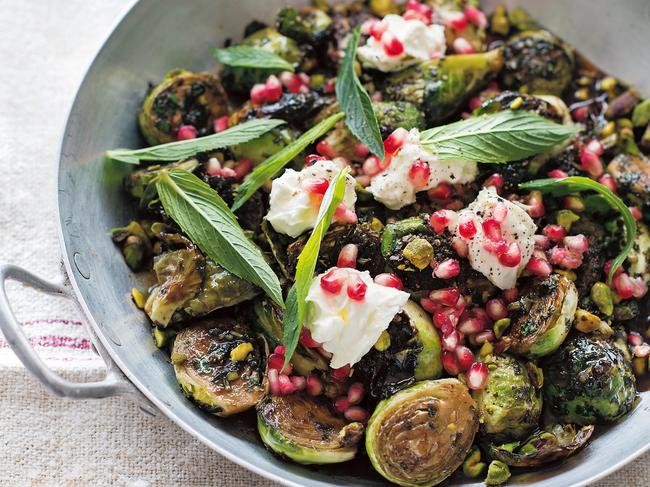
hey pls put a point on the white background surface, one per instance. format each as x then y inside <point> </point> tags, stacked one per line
<point>45,47</point>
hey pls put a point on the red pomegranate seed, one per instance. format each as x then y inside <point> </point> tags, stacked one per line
<point>462,46</point>
<point>343,214</point>
<point>492,229</point>
<point>450,362</point>
<point>512,256</point>
<point>591,163</point>
<point>243,168</point>
<point>276,361</point>
<point>355,393</point>
<point>389,280</point>
<point>496,309</point>
<point>298,381</point>
<point>495,180</point>
<point>467,227</point>
<point>554,232</point>
<point>348,256</point>
<point>541,242</point>
<point>441,192</point>
<point>306,340</point>
<point>460,246</point>
<point>372,166</point>
<point>475,102</point>
<point>341,373</point>
<point>580,114</point>
<point>557,174</point>
<point>285,385</point>
<point>419,7</point>
<point>447,296</point>
<point>429,306</point>
<point>623,286</point>
<point>314,385</point>
<point>535,205</point>
<point>324,148</point>
<point>366,27</point>
<point>356,414</point>
<point>274,384</point>
<point>419,174</point>
<point>471,325</point>
<point>186,132</point>
<point>316,185</point>
<point>273,88</point>
<point>258,93</point>
<point>280,350</point>
<point>341,404</point>
<point>447,269</point>
<point>461,304</point>
<point>636,213</point>
<point>484,336</point>
<point>361,150</point>
<point>378,28</point>
<point>499,212</point>
<point>441,219</point>
<point>596,147</point>
<point>565,258</point>
<point>415,15</point>
<point>312,159</point>
<point>642,351</point>
<point>356,288</point>
<point>640,287</point>
<point>395,140</point>
<point>539,267</point>
<point>576,243</point>
<point>332,281</point>
<point>391,44</point>
<point>457,21</point>
<point>608,180</point>
<point>465,357</point>
<point>451,340</point>
<point>290,81</point>
<point>477,376</point>
<point>305,79</point>
<point>213,168</point>
<point>228,172</point>
<point>442,319</point>
<point>510,295</point>
<point>497,247</point>
<point>475,16</point>
<point>608,267</point>
<point>634,338</point>
<point>221,124</point>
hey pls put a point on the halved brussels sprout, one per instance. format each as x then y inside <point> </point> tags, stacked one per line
<point>134,242</point>
<point>413,354</point>
<point>221,366</point>
<point>182,98</point>
<point>632,175</point>
<point>589,381</point>
<point>309,25</point>
<point>510,405</point>
<point>305,430</point>
<point>440,87</point>
<point>552,443</point>
<point>541,318</point>
<point>537,62</point>
<point>421,435</point>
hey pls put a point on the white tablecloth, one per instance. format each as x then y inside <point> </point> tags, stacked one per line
<point>45,47</point>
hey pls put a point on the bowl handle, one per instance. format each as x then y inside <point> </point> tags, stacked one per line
<point>113,384</point>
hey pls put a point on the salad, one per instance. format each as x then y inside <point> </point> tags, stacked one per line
<point>410,233</point>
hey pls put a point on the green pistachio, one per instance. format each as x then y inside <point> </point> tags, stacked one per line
<point>566,218</point>
<point>601,295</point>
<point>419,252</point>
<point>498,473</point>
<point>473,466</point>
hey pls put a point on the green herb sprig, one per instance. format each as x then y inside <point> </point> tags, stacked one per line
<point>250,57</point>
<point>505,136</point>
<point>271,166</point>
<point>578,184</point>
<point>176,151</point>
<point>296,310</point>
<point>209,223</point>
<point>354,101</point>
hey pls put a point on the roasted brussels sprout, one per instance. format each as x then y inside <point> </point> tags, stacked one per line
<point>305,430</point>
<point>413,354</point>
<point>552,443</point>
<point>308,25</point>
<point>294,108</point>
<point>541,318</point>
<point>394,114</point>
<point>547,106</point>
<point>134,242</point>
<point>183,98</point>
<point>588,381</point>
<point>537,62</point>
<point>510,405</point>
<point>221,365</point>
<point>421,435</point>
<point>632,175</point>
<point>138,183</point>
<point>440,87</point>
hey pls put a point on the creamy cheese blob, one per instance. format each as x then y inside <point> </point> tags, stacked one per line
<point>292,208</point>
<point>421,43</point>
<point>393,187</point>
<point>518,226</point>
<point>349,328</point>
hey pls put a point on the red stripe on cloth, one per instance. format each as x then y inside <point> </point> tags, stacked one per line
<point>52,321</point>
<point>53,341</point>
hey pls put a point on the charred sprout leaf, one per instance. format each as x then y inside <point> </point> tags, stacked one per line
<point>176,151</point>
<point>355,102</point>
<point>277,161</point>
<point>500,137</point>
<point>404,429</point>
<point>135,244</point>
<point>207,220</point>
<point>296,311</point>
<point>250,57</point>
<point>309,25</point>
<point>578,184</point>
<point>221,365</point>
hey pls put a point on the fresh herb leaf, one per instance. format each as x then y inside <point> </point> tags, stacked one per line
<point>250,57</point>
<point>209,223</point>
<point>271,166</point>
<point>578,184</point>
<point>176,151</point>
<point>505,136</point>
<point>355,103</point>
<point>296,311</point>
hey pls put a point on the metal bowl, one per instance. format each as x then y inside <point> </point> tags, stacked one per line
<point>155,36</point>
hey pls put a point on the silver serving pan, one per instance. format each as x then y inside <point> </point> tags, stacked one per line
<point>154,36</point>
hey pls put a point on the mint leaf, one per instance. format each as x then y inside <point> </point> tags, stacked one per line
<point>354,101</point>
<point>209,223</point>
<point>505,136</point>
<point>250,57</point>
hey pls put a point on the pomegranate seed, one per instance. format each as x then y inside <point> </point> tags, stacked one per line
<point>341,404</point>
<point>608,180</point>
<point>535,205</point>
<point>366,27</point>
<point>492,230</point>
<point>274,384</point>
<point>608,267</point>
<point>467,227</point>
<point>221,124</point>
<point>642,351</point>
<point>484,336</point>
<point>541,242</point>
<point>419,174</point>
<point>447,269</point>
<point>213,168</point>
<point>580,114</point>
<point>316,185</point>
<point>512,256</point>
<point>258,93</point>
<point>415,15</point>
<point>305,79</point>
<point>378,28</point>
<point>324,148</point>
<point>495,180</point>
<point>228,172</point>
<point>441,192</point>
<point>460,304</point>
<point>312,159</point>
<point>332,281</point>
<point>443,319</point>
<point>496,309</point>
<point>495,247</point>
<point>280,350</point>
<point>554,232</point>
<point>372,166</point>
<point>441,219</point>
<point>510,295</point>
<point>355,393</point>
<point>462,46</point>
<point>348,256</point>
<point>298,382</point>
<point>341,373</point>
<point>557,174</point>
<point>416,6</point>
<point>276,361</point>
<point>356,288</point>
<point>314,385</point>
<point>634,338</point>
<point>499,212</point>
<point>576,243</point>
<point>457,21</point>
<point>636,213</point>
<point>477,376</point>
<point>565,258</point>
<point>243,168</point>
<point>447,296</point>
<point>475,102</point>
<point>475,16</point>
<point>391,44</point>
<point>273,88</point>
<point>596,147</point>
<point>389,280</point>
<point>450,362</point>
<point>306,340</point>
<point>451,340</point>
<point>361,150</point>
<point>395,140</point>
<point>539,267</point>
<point>290,81</point>
<point>623,286</point>
<point>460,246</point>
<point>343,214</point>
<point>356,414</point>
<point>285,385</point>
<point>640,287</point>
<point>471,325</point>
<point>429,306</point>
<point>465,357</point>
<point>186,132</point>
<point>591,163</point>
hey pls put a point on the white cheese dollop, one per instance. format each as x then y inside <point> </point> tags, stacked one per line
<point>421,43</point>
<point>348,329</point>
<point>393,187</point>
<point>292,209</point>
<point>518,226</point>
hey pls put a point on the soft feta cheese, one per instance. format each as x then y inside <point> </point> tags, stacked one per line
<point>292,208</point>
<point>393,188</point>
<point>349,328</point>
<point>517,227</point>
<point>421,42</point>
